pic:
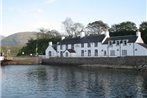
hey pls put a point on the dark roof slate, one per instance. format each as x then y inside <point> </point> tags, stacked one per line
<point>55,47</point>
<point>142,44</point>
<point>71,50</point>
<point>86,39</point>
<point>130,38</point>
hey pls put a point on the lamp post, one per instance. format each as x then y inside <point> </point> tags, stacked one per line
<point>36,49</point>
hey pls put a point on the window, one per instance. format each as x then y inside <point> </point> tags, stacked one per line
<point>95,44</point>
<point>124,52</point>
<point>112,52</point>
<point>117,42</point>
<point>82,52</point>
<point>89,52</point>
<point>66,46</point>
<point>82,45</point>
<point>66,54</point>
<point>61,54</point>
<point>104,53</point>
<point>125,42</point>
<point>89,45</point>
<point>72,46</point>
<point>61,47</point>
<point>50,53</point>
<point>96,52</point>
<point>110,43</point>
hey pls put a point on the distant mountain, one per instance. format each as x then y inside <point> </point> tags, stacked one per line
<point>20,38</point>
<point>1,37</point>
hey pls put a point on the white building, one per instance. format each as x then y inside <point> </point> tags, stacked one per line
<point>98,46</point>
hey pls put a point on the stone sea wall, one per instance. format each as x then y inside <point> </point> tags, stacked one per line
<point>115,62</point>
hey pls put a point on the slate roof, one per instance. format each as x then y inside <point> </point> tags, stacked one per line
<point>71,50</point>
<point>142,44</point>
<point>86,39</point>
<point>130,38</point>
<point>55,47</point>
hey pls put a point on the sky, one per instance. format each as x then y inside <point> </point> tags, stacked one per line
<point>30,15</point>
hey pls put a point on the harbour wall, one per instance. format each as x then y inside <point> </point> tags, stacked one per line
<point>114,62</point>
<point>21,61</point>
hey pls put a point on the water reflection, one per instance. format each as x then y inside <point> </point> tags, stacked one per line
<point>0,80</point>
<point>74,82</point>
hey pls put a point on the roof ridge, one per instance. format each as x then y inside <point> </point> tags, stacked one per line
<point>122,36</point>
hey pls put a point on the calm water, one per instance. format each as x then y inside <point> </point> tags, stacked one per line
<point>25,81</point>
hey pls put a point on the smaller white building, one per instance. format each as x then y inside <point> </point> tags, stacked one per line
<point>98,46</point>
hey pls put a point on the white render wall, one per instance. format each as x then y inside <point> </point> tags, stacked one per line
<point>140,50</point>
<point>133,49</point>
<point>119,48</point>
<point>53,52</point>
<point>104,50</point>
<point>77,47</point>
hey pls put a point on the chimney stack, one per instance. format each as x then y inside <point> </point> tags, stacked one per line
<point>107,34</point>
<point>82,34</point>
<point>138,33</point>
<point>50,43</point>
<point>63,37</point>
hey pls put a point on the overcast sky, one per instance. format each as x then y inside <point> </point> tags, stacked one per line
<point>30,15</point>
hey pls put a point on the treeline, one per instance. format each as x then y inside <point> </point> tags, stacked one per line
<point>38,46</point>
<point>99,27</point>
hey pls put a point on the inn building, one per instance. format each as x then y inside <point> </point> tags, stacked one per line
<point>98,46</point>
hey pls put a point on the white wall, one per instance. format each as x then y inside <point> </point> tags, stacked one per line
<point>77,47</point>
<point>53,52</point>
<point>140,50</point>
<point>104,50</point>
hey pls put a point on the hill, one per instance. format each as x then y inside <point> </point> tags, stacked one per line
<point>1,37</point>
<point>18,39</point>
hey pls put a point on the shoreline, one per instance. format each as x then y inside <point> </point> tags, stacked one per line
<point>106,62</point>
<point>116,63</point>
<point>21,61</point>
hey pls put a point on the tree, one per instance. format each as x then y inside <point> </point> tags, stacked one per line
<point>143,30</point>
<point>42,33</point>
<point>53,33</point>
<point>96,27</point>
<point>30,47</point>
<point>71,28</point>
<point>77,28</point>
<point>124,28</point>
<point>68,23</point>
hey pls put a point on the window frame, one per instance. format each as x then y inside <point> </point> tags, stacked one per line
<point>95,52</point>
<point>89,52</point>
<point>82,53</point>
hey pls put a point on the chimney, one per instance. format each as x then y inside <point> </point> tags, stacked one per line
<point>63,37</point>
<point>138,33</point>
<point>107,34</point>
<point>82,34</point>
<point>50,43</point>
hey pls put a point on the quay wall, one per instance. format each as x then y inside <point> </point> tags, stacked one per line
<point>115,62</point>
<point>21,61</point>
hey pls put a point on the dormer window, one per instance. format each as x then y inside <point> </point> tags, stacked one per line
<point>117,42</point>
<point>110,43</point>
<point>89,45</point>
<point>72,46</point>
<point>66,46</point>
<point>95,44</point>
<point>125,42</point>
<point>61,47</point>
<point>82,45</point>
